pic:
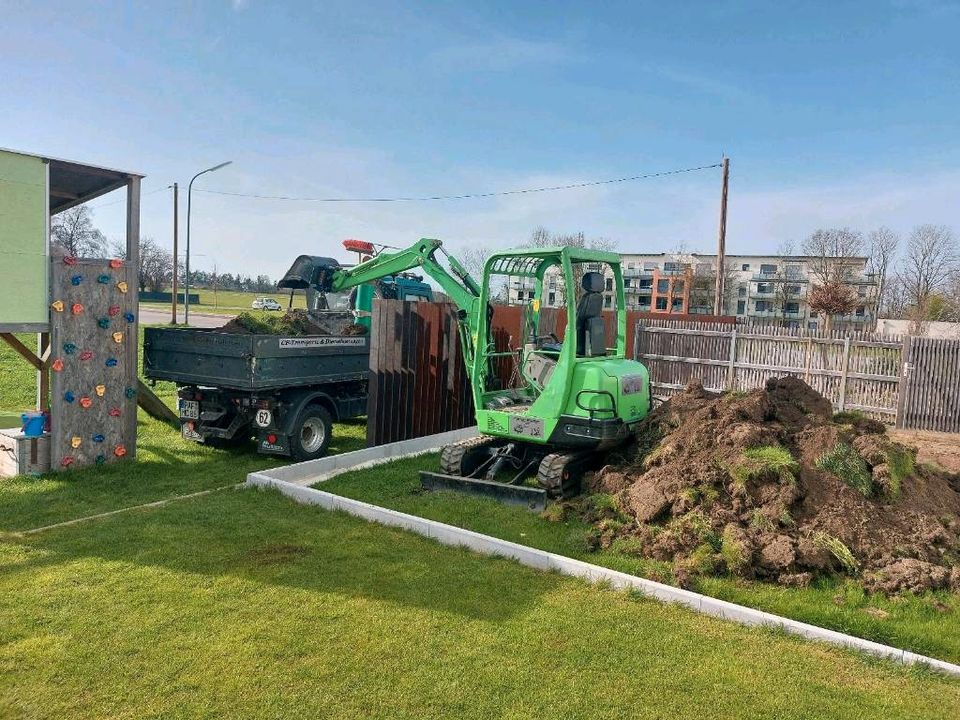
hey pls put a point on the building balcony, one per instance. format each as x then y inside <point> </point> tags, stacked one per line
<point>648,290</point>
<point>777,277</point>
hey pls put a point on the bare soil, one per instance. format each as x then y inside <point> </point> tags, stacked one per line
<point>935,448</point>
<point>738,483</point>
<point>296,323</point>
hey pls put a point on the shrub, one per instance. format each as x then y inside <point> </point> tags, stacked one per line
<point>846,463</point>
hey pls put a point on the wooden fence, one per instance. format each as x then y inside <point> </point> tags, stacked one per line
<point>419,385</point>
<point>914,382</point>
<point>418,382</point>
<point>930,399</point>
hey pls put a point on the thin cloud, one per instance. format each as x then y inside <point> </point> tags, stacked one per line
<point>502,53</point>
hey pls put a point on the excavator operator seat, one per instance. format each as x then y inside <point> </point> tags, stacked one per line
<point>591,330</point>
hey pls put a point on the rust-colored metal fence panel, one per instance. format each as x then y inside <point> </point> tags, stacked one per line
<point>931,393</point>
<point>418,382</point>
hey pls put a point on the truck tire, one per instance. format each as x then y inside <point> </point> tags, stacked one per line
<point>311,434</point>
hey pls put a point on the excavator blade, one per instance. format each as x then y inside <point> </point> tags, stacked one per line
<point>533,499</point>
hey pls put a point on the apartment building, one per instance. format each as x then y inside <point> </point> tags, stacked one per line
<point>759,288</point>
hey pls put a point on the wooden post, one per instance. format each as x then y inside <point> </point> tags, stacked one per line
<point>903,385</point>
<point>722,240</point>
<point>732,366</point>
<point>843,373</point>
<point>132,342</point>
<point>176,195</point>
<point>43,374</point>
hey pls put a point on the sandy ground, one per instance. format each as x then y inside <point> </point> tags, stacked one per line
<point>942,449</point>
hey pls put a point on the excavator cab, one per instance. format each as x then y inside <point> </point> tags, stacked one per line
<point>574,393</point>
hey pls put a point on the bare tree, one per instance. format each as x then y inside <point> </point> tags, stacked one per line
<point>882,246</point>
<point>74,233</point>
<point>542,237</point>
<point>703,283</point>
<point>930,261</point>
<point>832,254</point>
<point>156,264</point>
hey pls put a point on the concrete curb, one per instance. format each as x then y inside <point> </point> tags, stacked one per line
<point>298,491</point>
<point>313,471</point>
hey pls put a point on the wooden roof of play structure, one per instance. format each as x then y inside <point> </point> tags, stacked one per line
<point>73,183</point>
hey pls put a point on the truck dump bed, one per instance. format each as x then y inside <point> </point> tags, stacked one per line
<point>192,356</point>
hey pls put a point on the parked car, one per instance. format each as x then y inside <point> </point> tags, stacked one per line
<point>265,303</point>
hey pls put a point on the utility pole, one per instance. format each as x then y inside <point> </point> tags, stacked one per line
<point>176,215</point>
<point>722,241</point>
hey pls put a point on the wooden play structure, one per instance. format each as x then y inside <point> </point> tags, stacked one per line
<point>83,310</point>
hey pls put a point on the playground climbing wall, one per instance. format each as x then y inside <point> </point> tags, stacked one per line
<point>93,359</point>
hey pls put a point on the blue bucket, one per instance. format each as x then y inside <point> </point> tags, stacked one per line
<point>33,423</point>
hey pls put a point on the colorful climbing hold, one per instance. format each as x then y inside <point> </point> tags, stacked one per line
<point>114,310</point>
<point>66,461</point>
<point>98,438</point>
<point>101,460</point>
<point>76,279</point>
<point>103,279</point>
<point>104,323</point>
<point>69,348</point>
<point>122,286</point>
<point>69,260</point>
<point>129,317</point>
<point>130,392</point>
<point>118,337</point>
<point>76,308</point>
<point>100,390</point>
<point>119,451</point>
<point>57,305</point>
<point>114,412</point>
<point>69,396</point>
<point>57,365</point>
<point>111,362</point>
<point>86,355</point>
<point>116,263</point>
<point>85,402</point>
<point>75,442</point>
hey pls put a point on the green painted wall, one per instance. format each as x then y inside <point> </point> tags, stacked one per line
<point>24,267</point>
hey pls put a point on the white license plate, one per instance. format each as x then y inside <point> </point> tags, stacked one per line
<point>190,409</point>
<point>189,433</point>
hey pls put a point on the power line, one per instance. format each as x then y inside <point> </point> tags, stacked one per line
<point>123,199</point>
<point>466,196</point>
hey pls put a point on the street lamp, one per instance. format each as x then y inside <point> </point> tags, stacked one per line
<point>186,280</point>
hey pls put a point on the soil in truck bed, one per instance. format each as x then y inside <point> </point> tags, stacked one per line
<point>294,323</point>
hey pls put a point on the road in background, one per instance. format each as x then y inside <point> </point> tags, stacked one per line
<point>158,316</point>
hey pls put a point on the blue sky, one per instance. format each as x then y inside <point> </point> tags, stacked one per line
<point>832,114</point>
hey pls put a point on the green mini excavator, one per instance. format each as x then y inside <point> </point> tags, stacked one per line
<point>572,398</point>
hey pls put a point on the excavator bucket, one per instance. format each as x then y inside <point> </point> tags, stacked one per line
<point>309,271</point>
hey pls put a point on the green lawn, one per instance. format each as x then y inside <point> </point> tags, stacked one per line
<point>240,603</point>
<point>929,624</point>
<point>243,604</point>
<point>230,302</point>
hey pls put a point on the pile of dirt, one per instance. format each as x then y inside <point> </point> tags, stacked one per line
<point>294,323</point>
<point>771,484</point>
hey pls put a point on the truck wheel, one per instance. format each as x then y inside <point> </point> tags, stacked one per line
<point>311,434</point>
